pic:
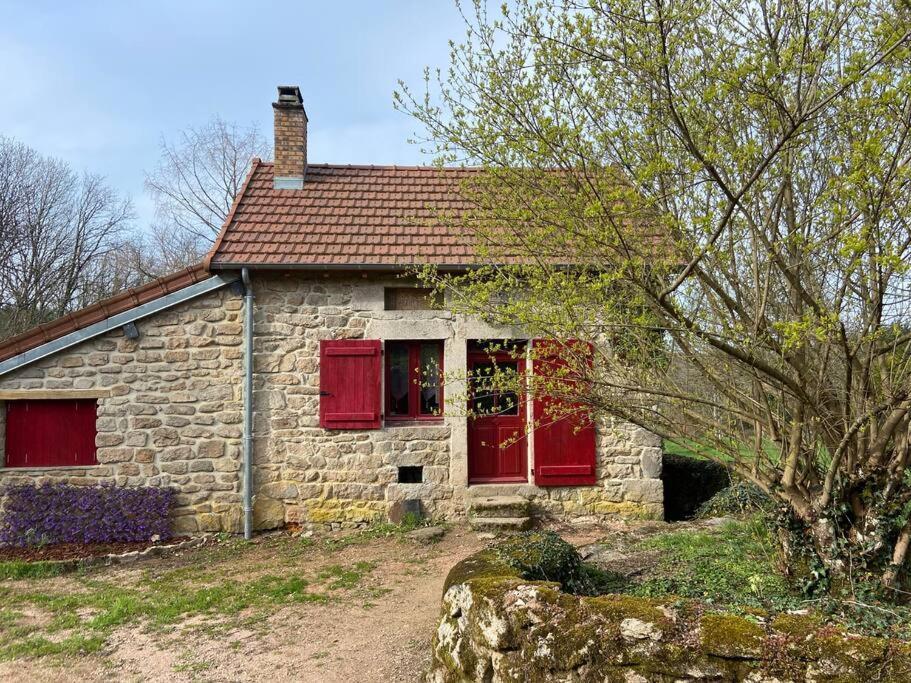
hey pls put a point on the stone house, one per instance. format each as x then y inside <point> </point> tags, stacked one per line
<point>284,360</point>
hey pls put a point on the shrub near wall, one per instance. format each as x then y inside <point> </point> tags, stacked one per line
<point>60,513</point>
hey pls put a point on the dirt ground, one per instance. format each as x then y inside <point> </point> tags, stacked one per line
<point>360,607</point>
<point>386,639</point>
<point>376,630</point>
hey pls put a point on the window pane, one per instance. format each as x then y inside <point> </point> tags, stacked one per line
<point>398,378</point>
<point>508,403</point>
<point>430,379</point>
<point>485,400</point>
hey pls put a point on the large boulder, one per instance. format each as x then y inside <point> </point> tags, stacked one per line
<point>498,625</point>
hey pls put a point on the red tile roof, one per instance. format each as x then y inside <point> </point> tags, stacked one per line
<point>102,310</point>
<point>346,216</point>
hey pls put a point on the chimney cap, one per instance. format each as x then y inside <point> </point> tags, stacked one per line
<point>289,96</point>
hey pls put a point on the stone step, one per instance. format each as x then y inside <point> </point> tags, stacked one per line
<point>492,490</point>
<point>498,506</point>
<point>499,524</point>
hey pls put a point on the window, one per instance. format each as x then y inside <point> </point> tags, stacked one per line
<point>50,433</point>
<point>411,299</point>
<point>413,380</point>
<point>487,399</point>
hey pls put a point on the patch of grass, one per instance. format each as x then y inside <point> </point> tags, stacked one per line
<point>410,522</point>
<point>11,627</point>
<point>694,449</point>
<point>735,568</point>
<point>345,578</point>
<point>158,603</point>
<point>192,666</point>
<point>18,569</point>
<point>39,646</point>
<point>220,586</point>
<point>689,449</point>
<point>734,565</point>
<point>8,618</point>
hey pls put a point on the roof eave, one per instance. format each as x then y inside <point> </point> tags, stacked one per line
<point>316,267</point>
<point>138,312</point>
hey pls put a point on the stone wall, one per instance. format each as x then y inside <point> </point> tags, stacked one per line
<point>170,413</point>
<point>351,476</point>
<point>326,476</point>
<point>495,626</point>
<point>628,475</point>
<point>169,408</point>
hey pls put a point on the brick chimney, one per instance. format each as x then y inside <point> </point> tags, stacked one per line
<point>290,139</point>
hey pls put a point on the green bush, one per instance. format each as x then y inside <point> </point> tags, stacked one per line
<point>740,498</point>
<point>544,556</point>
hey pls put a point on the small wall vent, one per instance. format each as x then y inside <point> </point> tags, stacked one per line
<point>411,474</point>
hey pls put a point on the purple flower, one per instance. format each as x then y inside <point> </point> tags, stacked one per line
<point>60,513</point>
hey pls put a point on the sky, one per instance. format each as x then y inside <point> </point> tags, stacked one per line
<point>98,84</point>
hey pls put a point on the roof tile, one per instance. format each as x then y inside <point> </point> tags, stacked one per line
<point>347,215</point>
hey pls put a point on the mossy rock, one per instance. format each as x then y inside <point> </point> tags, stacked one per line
<point>503,621</point>
<point>797,626</point>
<point>483,565</point>
<point>731,637</point>
<point>619,607</point>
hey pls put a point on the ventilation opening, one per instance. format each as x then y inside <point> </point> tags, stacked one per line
<point>411,474</point>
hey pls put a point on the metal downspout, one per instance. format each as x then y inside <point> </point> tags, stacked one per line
<point>248,405</point>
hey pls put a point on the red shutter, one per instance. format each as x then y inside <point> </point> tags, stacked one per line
<point>50,433</point>
<point>564,446</point>
<point>349,383</point>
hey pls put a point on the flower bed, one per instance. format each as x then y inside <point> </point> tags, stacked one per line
<point>59,513</point>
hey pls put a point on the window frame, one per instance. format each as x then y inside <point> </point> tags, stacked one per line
<point>414,389</point>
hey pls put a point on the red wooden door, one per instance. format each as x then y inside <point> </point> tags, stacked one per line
<point>50,433</point>
<point>497,451</point>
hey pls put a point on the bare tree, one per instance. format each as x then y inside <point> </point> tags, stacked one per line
<point>194,185</point>
<point>55,227</point>
<point>731,183</point>
<point>65,238</point>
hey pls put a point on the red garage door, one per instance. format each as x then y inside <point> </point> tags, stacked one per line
<point>50,433</point>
